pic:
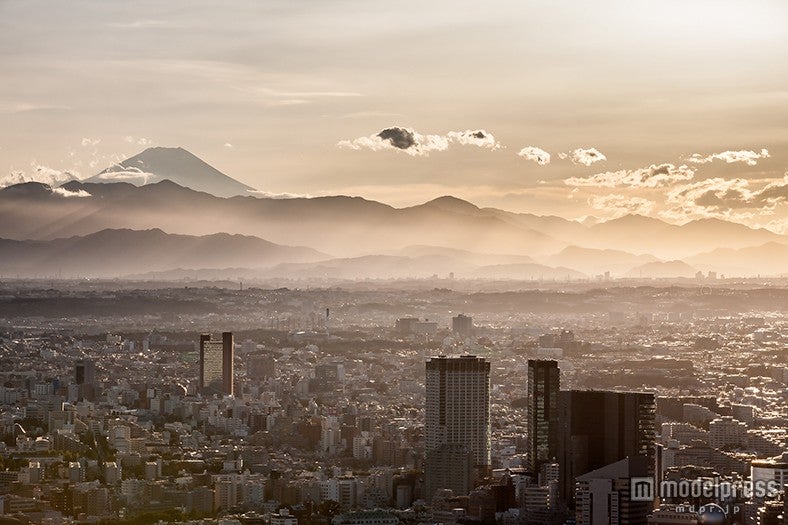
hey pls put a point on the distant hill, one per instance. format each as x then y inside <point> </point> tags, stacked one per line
<point>420,266</point>
<point>526,272</point>
<point>350,227</point>
<point>347,226</point>
<point>595,261</point>
<point>175,164</point>
<point>370,267</point>
<point>644,235</point>
<point>114,253</point>
<point>465,256</point>
<point>769,259</point>
<point>558,227</point>
<point>661,270</point>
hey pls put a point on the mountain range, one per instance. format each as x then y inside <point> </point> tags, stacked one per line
<point>215,222</point>
<point>113,253</point>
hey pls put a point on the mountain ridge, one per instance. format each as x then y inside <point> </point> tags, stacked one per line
<point>116,252</point>
<point>172,189</point>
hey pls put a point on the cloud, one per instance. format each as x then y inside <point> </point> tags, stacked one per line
<point>144,24</point>
<point>584,156</point>
<point>63,192</point>
<point>415,144</point>
<point>749,157</point>
<point>139,141</point>
<point>118,172</point>
<point>370,114</point>
<point>477,137</point>
<point>654,176</point>
<point>230,82</point>
<point>287,102</point>
<point>776,225</point>
<point>24,107</point>
<point>272,195</point>
<point>42,174</point>
<point>90,142</point>
<point>397,138</point>
<point>620,205</point>
<point>228,145</point>
<point>718,197</point>
<point>535,154</point>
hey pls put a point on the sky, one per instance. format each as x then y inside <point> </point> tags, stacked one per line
<point>676,109</point>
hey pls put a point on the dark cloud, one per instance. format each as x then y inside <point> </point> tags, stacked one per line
<point>416,144</point>
<point>400,138</point>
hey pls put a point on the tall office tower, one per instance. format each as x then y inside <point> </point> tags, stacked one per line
<point>598,428</point>
<point>85,372</point>
<point>85,378</point>
<point>449,466</point>
<point>462,325</point>
<point>216,364</point>
<point>457,420</point>
<point>228,356</point>
<point>542,413</point>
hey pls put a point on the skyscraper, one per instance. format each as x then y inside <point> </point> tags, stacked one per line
<point>598,428</point>
<point>542,412</point>
<point>216,364</point>
<point>85,372</point>
<point>462,325</point>
<point>85,378</point>
<point>457,421</point>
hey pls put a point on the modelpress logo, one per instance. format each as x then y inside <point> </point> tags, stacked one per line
<point>641,489</point>
<point>645,489</point>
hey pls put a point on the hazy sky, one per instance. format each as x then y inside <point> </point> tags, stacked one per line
<point>268,91</point>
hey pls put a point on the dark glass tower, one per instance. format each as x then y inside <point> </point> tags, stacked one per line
<point>542,413</point>
<point>599,428</point>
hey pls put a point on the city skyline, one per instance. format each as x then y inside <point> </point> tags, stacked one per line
<point>669,110</point>
<point>333,262</point>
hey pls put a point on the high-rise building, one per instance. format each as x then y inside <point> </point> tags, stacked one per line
<point>457,418</point>
<point>85,378</point>
<point>462,325</point>
<point>727,432</point>
<point>542,413</point>
<point>404,325</point>
<point>598,428</point>
<point>450,466</point>
<point>85,372</point>
<point>216,364</point>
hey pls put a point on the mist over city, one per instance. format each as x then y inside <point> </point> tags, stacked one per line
<point>354,263</point>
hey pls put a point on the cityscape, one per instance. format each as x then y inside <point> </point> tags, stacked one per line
<point>353,413</point>
<point>431,262</point>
